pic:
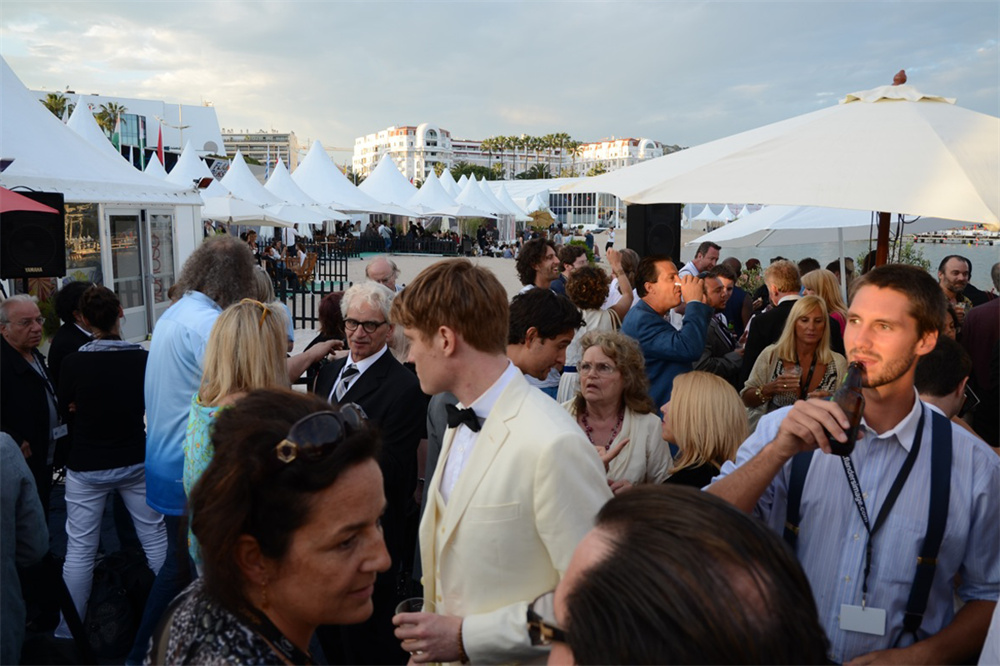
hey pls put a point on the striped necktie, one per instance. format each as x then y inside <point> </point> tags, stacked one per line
<point>345,380</point>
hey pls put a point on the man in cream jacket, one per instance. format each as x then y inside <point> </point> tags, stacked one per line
<point>516,487</point>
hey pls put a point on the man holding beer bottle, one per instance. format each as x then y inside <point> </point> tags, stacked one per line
<point>883,532</point>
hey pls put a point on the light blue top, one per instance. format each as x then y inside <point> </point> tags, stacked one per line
<point>668,352</point>
<point>173,375</point>
<point>198,452</point>
<point>831,541</point>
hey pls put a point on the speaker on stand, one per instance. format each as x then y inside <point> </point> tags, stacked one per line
<point>655,229</point>
<point>32,244</point>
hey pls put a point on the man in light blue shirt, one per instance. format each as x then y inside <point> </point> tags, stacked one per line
<point>217,274</point>
<point>892,321</point>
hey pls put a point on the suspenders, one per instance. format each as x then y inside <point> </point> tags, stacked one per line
<point>940,494</point>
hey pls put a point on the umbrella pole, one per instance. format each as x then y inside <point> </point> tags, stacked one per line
<point>843,264</point>
<point>882,247</point>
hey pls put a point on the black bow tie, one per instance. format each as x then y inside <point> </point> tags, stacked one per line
<point>457,417</point>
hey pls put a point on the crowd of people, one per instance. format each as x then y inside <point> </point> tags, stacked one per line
<point>629,465</point>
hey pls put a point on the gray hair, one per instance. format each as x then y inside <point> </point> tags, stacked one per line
<point>392,266</point>
<point>221,268</point>
<point>370,293</point>
<point>263,290</point>
<point>995,275</point>
<point>8,303</point>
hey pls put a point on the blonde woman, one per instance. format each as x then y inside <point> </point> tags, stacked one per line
<point>245,351</point>
<point>706,421</point>
<point>800,365</point>
<point>613,408</point>
<point>824,284</point>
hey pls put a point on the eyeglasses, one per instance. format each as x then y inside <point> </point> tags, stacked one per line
<point>25,323</point>
<point>264,310</point>
<point>542,627</point>
<point>316,435</point>
<point>602,369</point>
<point>969,402</point>
<point>369,326</point>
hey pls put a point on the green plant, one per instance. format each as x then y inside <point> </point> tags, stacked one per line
<point>750,280</point>
<point>583,244</point>
<point>906,252</point>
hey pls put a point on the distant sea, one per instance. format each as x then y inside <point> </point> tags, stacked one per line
<point>982,256</point>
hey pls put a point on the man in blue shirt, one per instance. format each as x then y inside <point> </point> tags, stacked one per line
<point>862,596</point>
<point>668,351</point>
<point>217,274</point>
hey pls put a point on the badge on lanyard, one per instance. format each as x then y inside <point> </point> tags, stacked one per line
<point>864,619</point>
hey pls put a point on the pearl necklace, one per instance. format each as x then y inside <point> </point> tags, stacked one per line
<point>589,429</point>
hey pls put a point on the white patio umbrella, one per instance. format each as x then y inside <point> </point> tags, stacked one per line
<point>891,149</point>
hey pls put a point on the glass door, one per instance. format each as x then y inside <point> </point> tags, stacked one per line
<point>127,263</point>
<point>159,247</point>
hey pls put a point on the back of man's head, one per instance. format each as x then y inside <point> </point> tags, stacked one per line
<point>734,264</point>
<point>221,268</point>
<point>680,593</point>
<point>550,313</point>
<point>67,300</point>
<point>783,275</point>
<point>464,297</point>
<point>806,265</point>
<point>940,372</point>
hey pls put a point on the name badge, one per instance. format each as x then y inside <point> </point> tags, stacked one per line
<point>866,620</point>
<point>60,431</point>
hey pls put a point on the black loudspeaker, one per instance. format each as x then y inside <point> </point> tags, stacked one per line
<point>655,229</point>
<point>34,244</point>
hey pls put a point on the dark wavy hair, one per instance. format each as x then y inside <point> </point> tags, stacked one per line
<point>530,255</point>
<point>101,307</point>
<point>690,579</point>
<point>547,311</point>
<point>67,300</point>
<point>245,490</point>
<point>587,287</point>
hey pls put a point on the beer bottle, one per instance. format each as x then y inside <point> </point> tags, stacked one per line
<point>851,400</point>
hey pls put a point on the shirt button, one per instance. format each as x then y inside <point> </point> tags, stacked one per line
<point>856,537</point>
<point>847,579</point>
<point>865,495</point>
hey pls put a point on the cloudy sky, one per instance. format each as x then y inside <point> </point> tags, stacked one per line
<point>679,72</point>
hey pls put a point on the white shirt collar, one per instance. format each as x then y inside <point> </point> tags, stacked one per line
<point>89,334</point>
<point>483,405</point>
<point>365,363</point>
<point>906,429</point>
<point>790,297</point>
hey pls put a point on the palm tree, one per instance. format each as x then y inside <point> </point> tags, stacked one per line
<point>108,116</point>
<point>57,104</point>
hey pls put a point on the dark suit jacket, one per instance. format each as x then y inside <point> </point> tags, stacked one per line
<point>766,329</point>
<point>719,358</point>
<point>24,412</point>
<point>391,397</point>
<point>68,339</point>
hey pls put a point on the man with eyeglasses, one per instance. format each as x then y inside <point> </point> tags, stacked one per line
<point>28,409</point>
<point>390,395</point>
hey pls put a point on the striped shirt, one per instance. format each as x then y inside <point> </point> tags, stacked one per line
<point>831,542</point>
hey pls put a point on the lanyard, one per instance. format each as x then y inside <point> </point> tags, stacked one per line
<point>40,370</point>
<point>284,648</point>
<point>890,500</point>
<point>805,379</point>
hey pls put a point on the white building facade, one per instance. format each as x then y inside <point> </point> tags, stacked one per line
<point>264,147</point>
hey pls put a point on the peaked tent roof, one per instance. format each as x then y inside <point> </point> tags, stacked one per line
<point>82,122</point>
<point>743,212</point>
<point>320,178</point>
<point>726,214</point>
<point>155,169</point>
<point>386,184</point>
<point>433,200</point>
<point>471,195</point>
<point>282,186</point>
<point>498,205</point>
<point>504,197</point>
<point>243,185</point>
<point>462,180</point>
<point>705,214</point>
<point>49,156</point>
<point>448,183</point>
<point>190,168</point>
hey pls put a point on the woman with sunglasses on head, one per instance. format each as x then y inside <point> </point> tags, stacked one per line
<point>615,411</point>
<point>288,517</point>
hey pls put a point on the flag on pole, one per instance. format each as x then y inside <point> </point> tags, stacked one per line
<point>159,147</point>
<point>116,135</point>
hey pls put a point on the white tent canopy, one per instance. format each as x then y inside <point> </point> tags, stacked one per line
<point>743,212</point>
<point>386,184</point>
<point>448,183</point>
<point>726,214</point>
<point>82,122</point>
<point>471,195</point>
<point>432,200</point>
<point>504,197</point>
<point>706,214</point>
<point>189,169</point>
<point>230,209</point>
<point>320,178</point>
<point>241,182</point>
<point>48,156</point>
<point>281,185</point>
<point>154,168</point>
<point>498,206</point>
<point>462,180</point>
<point>890,149</point>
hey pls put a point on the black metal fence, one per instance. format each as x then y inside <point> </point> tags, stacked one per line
<point>303,297</point>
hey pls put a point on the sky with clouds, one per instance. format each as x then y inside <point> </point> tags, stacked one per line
<point>679,72</point>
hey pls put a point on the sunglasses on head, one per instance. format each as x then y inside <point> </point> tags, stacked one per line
<point>315,436</point>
